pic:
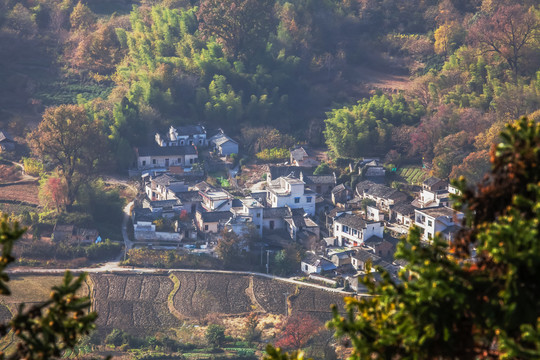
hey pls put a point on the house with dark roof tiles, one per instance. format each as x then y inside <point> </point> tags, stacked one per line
<point>149,157</point>
<point>352,230</point>
<point>6,142</point>
<point>183,135</point>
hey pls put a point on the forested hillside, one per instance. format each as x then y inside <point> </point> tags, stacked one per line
<point>311,69</point>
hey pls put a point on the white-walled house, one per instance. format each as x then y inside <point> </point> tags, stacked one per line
<point>351,230</point>
<point>149,157</point>
<point>403,214</point>
<point>315,264</point>
<point>158,187</point>
<point>384,196</point>
<point>250,212</point>
<point>289,191</point>
<point>434,184</point>
<point>223,144</point>
<point>216,200</point>
<point>438,219</point>
<point>211,221</point>
<point>183,135</point>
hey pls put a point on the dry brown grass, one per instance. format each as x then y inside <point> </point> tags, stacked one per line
<point>33,288</point>
<point>9,173</point>
<point>26,192</point>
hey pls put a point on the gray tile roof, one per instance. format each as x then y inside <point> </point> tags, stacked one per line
<point>189,196</point>
<point>374,240</point>
<point>352,221</point>
<point>163,203</point>
<point>165,179</point>
<point>375,172</point>
<point>143,214</point>
<point>166,150</point>
<point>365,255</point>
<point>278,171</point>
<point>384,192</point>
<point>4,136</point>
<point>190,130</point>
<point>363,186</point>
<point>279,212</point>
<point>339,188</point>
<point>319,179</point>
<point>316,260</point>
<point>431,181</point>
<point>216,216</point>
<point>438,211</point>
<point>221,139</point>
<point>404,209</point>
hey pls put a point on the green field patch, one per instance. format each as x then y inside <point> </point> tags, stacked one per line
<point>412,174</point>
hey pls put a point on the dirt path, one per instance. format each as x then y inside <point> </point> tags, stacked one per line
<point>385,81</point>
<point>113,267</point>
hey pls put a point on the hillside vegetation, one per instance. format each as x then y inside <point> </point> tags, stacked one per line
<point>298,67</point>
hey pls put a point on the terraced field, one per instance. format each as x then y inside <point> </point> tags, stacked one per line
<point>412,174</point>
<point>145,304</point>
<point>133,303</point>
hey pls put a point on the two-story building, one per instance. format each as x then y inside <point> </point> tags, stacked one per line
<point>151,157</point>
<point>251,211</point>
<point>216,200</point>
<point>403,214</point>
<point>351,230</point>
<point>289,191</point>
<point>212,221</point>
<point>183,135</point>
<point>299,225</point>
<point>341,194</point>
<point>434,184</point>
<point>321,184</point>
<point>159,186</point>
<point>384,196</point>
<point>438,219</point>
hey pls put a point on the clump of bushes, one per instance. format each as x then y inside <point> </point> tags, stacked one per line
<point>273,154</point>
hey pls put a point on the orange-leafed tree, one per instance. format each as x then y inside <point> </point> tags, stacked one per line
<point>508,32</point>
<point>297,330</point>
<point>53,193</point>
<point>70,140</point>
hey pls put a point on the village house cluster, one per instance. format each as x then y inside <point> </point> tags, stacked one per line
<point>341,228</point>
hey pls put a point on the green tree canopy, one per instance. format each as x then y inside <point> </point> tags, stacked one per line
<point>365,128</point>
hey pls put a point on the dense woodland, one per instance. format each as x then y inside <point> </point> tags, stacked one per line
<point>296,68</point>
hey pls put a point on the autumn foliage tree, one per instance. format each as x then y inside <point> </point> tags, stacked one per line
<point>82,18</point>
<point>297,330</point>
<point>53,193</point>
<point>508,32</point>
<point>71,141</point>
<point>242,26</point>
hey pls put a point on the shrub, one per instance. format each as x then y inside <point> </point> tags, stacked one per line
<point>116,337</point>
<point>273,154</point>
<point>33,167</point>
<point>215,335</point>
